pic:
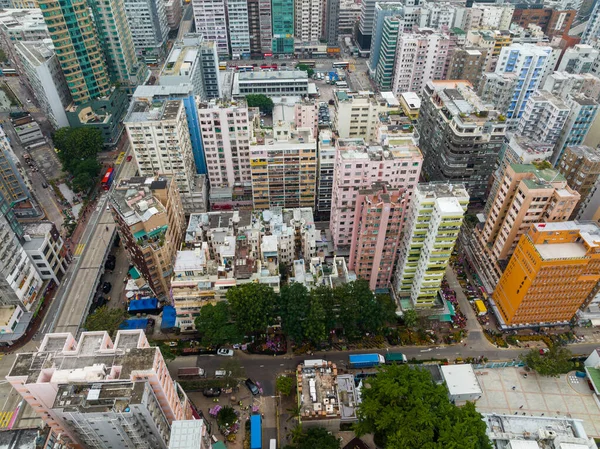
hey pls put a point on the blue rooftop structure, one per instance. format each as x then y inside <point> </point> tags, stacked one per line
<point>169,316</point>
<point>144,305</point>
<point>255,432</point>
<point>134,323</point>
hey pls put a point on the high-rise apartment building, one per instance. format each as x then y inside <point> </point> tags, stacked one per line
<point>525,195</point>
<point>159,136</point>
<point>356,114</point>
<point>553,270</point>
<point>195,61</point>
<point>20,283</point>
<point>151,221</point>
<point>461,136</point>
<point>149,28</point>
<point>468,64</point>
<point>266,26</point>
<point>42,73</point>
<point>13,188</point>
<point>563,84</point>
<point>527,62</point>
<point>420,58</point>
<point>432,227</point>
<point>578,59</point>
<point>333,15</point>
<point>387,24</point>
<point>486,16</point>
<point>543,118</point>
<point>225,130</point>
<point>173,11</point>
<point>583,111</point>
<point>282,15</point>
<point>308,18</point>
<point>326,163</point>
<point>442,15</point>
<point>80,51</point>
<point>284,168</point>
<point>45,247</point>
<point>210,18</point>
<point>254,28</point>
<point>491,40</point>
<point>115,35</point>
<point>580,165</point>
<point>358,166</point>
<point>552,22</point>
<point>238,28</point>
<point>98,393</point>
<point>592,29</point>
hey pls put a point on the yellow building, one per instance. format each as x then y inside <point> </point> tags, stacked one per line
<point>554,268</point>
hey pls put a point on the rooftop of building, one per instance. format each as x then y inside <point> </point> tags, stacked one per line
<point>61,359</point>
<point>181,61</point>
<point>37,52</point>
<point>584,152</point>
<point>222,103</point>
<point>6,313</point>
<point>160,91</point>
<point>272,76</point>
<point>408,150</point>
<point>555,251</point>
<point>186,433</point>
<point>584,100</point>
<point>216,221</point>
<point>546,174</point>
<point>460,379</point>
<point>411,99</point>
<point>589,231</point>
<point>442,190</point>
<point>318,385</point>
<point>134,200</point>
<point>89,397</point>
<point>536,432</point>
<point>142,110</point>
<point>193,260</point>
<point>458,98</point>
<point>384,98</point>
<point>26,19</point>
<point>526,146</point>
<point>544,95</point>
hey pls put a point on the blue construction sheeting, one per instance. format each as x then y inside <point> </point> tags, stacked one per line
<point>134,323</point>
<point>168,317</point>
<point>255,432</point>
<point>144,305</point>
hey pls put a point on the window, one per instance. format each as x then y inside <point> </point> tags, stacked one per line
<point>36,257</point>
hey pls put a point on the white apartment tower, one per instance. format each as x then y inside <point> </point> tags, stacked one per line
<point>238,28</point>
<point>544,117</point>
<point>210,18</point>
<point>432,227</point>
<point>225,130</point>
<point>308,18</point>
<point>159,135</point>
<point>149,27</point>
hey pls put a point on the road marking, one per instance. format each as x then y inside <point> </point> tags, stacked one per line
<point>79,249</point>
<point>5,419</point>
<point>262,366</point>
<point>281,364</point>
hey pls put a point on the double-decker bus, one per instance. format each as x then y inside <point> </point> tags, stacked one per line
<point>245,68</point>
<point>311,64</point>
<point>108,178</point>
<point>222,66</point>
<point>269,67</point>
<point>341,65</point>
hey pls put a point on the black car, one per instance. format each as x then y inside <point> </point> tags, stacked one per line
<point>252,387</point>
<point>106,287</point>
<point>211,392</point>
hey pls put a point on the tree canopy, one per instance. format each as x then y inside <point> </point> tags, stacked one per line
<point>215,325</point>
<point>252,306</point>
<point>313,438</point>
<point>78,150</point>
<point>309,71</point>
<point>264,103</point>
<point>105,319</point>
<point>284,385</point>
<point>406,409</point>
<point>557,360</point>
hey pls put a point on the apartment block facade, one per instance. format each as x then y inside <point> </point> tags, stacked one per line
<point>210,18</point>
<point>580,165</point>
<point>553,270</point>
<point>282,15</point>
<point>45,247</point>
<point>149,27</point>
<point>326,163</point>
<point>150,220</point>
<point>551,21</point>
<point>461,136</point>
<point>432,226</point>
<point>468,64</point>
<point>238,28</point>
<point>284,168</point>
<point>98,393</point>
<point>226,134</point>
<point>308,19</point>
<point>543,118</point>
<point>583,111</point>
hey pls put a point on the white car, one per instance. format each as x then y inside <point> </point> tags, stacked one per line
<point>225,352</point>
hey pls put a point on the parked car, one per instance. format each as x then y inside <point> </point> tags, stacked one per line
<point>211,392</point>
<point>225,352</point>
<point>129,158</point>
<point>106,287</point>
<point>252,387</point>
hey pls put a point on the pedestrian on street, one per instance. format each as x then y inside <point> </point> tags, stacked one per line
<point>521,407</point>
<point>514,388</point>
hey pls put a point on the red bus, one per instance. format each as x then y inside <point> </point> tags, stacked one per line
<point>108,178</point>
<point>269,67</point>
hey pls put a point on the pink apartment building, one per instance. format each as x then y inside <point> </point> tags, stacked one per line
<point>306,115</point>
<point>97,393</point>
<point>357,168</point>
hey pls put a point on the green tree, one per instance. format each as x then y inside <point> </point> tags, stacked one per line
<point>264,103</point>
<point>309,71</point>
<point>77,144</point>
<point>284,385</point>
<point>105,319</point>
<point>324,296</point>
<point>252,307</point>
<point>554,362</point>
<point>226,416</point>
<point>410,318</point>
<point>167,352</point>
<point>406,409</point>
<point>294,304</point>
<point>314,327</point>
<point>3,57</point>
<point>82,182</point>
<point>215,325</point>
<point>314,438</point>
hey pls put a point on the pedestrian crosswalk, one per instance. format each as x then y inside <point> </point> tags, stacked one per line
<point>79,249</point>
<point>5,418</point>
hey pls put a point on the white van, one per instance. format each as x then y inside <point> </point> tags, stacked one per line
<point>273,444</point>
<point>222,373</point>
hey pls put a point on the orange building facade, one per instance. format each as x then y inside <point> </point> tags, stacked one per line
<point>554,268</point>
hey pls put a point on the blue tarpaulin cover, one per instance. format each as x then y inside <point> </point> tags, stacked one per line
<point>168,317</point>
<point>144,305</point>
<point>255,432</point>
<point>134,323</point>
